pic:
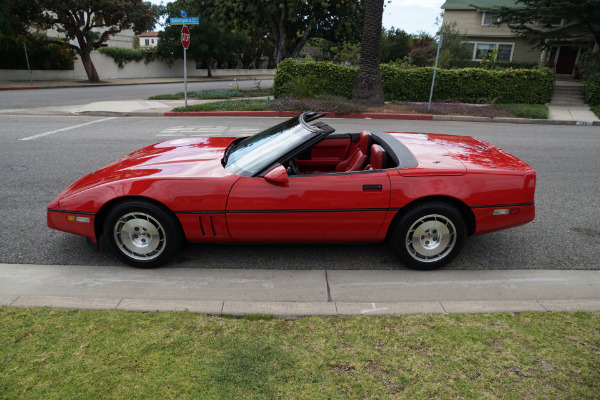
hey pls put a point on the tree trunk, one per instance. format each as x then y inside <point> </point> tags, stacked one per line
<point>367,88</point>
<point>90,70</point>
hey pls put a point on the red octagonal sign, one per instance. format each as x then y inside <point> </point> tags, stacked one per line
<point>185,37</point>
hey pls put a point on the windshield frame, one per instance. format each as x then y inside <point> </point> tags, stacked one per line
<point>257,154</point>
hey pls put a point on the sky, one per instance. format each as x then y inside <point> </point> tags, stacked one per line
<point>411,16</point>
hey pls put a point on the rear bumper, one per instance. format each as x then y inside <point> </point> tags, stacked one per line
<point>486,221</point>
<point>72,222</point>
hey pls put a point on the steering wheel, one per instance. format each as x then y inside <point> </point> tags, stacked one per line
<point>292,168</point>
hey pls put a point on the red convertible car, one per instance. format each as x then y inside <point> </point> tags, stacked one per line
<point>298,182</point>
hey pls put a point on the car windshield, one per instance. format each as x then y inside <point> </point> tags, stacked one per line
<point>253,154</point>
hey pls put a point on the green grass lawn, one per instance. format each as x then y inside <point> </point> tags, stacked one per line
<point>596,110</point>
<point>228,105</point>
<point>60,354</point>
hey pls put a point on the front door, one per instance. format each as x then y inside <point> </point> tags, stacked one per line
<point>310,208</point>
<point>567,56</point>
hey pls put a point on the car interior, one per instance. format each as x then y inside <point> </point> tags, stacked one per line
<point>340,153</point>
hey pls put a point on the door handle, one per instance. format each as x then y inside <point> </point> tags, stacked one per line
<point>372,188</point>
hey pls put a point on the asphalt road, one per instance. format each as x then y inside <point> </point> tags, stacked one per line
<point>12,99</point>
<point>58,150</point>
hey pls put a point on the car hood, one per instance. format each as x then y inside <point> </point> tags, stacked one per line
<point>456,155</point>
<point>181,158</point>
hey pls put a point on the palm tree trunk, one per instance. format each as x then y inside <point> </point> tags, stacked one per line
<point>367,88</point>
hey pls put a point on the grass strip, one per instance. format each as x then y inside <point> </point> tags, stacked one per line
<point>532,111</point>
<point>228,105</point>
<point>596,110</point>
<point>58,354</point>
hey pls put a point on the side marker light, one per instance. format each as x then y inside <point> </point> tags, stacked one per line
<point>505,211</point>
<point>74,218</point>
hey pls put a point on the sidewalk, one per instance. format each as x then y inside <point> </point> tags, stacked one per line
<point>558,115</point>
<point>296,293</point>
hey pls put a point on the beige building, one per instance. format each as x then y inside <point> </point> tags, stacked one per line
<point>149,39</point>
<point>485,37</point>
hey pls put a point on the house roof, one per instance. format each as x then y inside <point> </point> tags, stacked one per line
<point>470,4</point>
<point>148,34</point>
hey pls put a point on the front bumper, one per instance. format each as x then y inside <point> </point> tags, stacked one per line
<point>72,222</point>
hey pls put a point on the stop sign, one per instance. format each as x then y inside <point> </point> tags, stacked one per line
<point>185,37</point>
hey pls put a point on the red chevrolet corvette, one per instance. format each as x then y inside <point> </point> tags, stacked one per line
<point>298,182</point>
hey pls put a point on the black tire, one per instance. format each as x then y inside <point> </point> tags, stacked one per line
<point>142,234</point>
<point>429,235</point>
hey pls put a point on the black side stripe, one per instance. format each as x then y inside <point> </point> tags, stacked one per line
<point>71,212</point>
<point>287,211</point>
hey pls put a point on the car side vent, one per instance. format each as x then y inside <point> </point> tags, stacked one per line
<point>213,226</point>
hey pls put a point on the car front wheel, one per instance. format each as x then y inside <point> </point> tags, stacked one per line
<point>429,235</point>
<point>142,233</point>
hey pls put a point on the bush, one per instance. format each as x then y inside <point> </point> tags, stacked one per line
<point>41,57</point>
<point>496,65</point>
<point>470,85</point>
<point>122,56</point>
<point>337,105</point>
<point>591,88</point>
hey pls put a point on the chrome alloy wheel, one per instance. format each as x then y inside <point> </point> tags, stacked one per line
<point>140,236</point>
<point>431,238</point>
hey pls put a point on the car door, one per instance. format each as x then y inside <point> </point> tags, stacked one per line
<point>337,207</point>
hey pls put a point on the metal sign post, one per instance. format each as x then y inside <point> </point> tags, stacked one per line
<point>185,41</point>
<point>437,56</point>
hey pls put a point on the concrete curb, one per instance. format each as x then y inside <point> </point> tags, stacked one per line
<point>296,293</point>
<point>289,114</point>
<point>302,309</point>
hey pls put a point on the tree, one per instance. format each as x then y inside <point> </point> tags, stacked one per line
<point>86,24</point>
<point>454,46</point>
<point>395,44</point>
<point>538,21</point>
<point>209,42</point>
<point>422,50</point>
<point>290,23</point>
<point>368,88</point>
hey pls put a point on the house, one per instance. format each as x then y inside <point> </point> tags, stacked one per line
<point>149,39</point>
<point>485,37</point>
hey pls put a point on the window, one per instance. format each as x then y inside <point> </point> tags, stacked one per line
<point>147,42</point>
<point>504,52</point>
<point>152,41</point>
<point>484,50</point>
<point>489,18</point>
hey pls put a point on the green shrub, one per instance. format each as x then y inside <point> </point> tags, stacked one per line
<point>41,57</point>
<point>122,56</point>
<point>591,88</point>
<point>470,85</point>
<point>497,65</point>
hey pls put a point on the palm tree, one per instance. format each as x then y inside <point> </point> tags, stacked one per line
<point>367,88</point>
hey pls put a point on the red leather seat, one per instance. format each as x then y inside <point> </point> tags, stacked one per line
<point>376,157</point>
<point>357,157</point>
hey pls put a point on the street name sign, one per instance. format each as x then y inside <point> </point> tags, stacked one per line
<point>184,21</point>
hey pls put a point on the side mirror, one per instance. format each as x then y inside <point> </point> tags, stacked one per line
<point>277,175</point>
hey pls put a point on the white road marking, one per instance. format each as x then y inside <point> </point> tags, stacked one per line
<point>39,135</point>
<point>212,130</point>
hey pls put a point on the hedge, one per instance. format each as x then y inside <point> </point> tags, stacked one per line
<point>469,85</point>
<point>122,56</point>
<point>591,88</point>
<point>494,64</point>
<point>41,57</point>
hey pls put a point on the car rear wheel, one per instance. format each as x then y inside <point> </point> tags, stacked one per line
<point>142,233</point>
<point>429,235</point>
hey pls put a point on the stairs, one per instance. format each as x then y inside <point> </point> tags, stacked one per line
<point>568,92</point>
